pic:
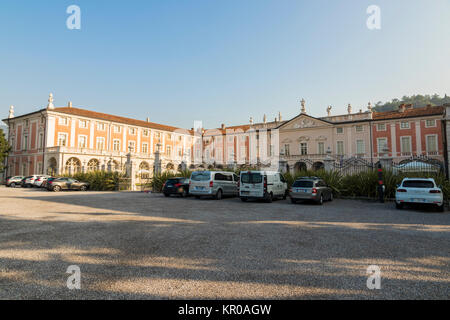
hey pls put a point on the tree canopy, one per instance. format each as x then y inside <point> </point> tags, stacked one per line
<point>4,150</point>
<point>417,101</point>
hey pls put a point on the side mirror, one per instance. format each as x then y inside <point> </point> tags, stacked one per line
<point>397,185</point>
<point>440,187</point>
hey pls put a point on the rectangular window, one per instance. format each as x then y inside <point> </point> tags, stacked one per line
<point>359,128</point>
<point>116,129</point>
<point>100,143</point>
<point>116,145</point>
<point>62,139</point>
<point>321,148</point>
<point>169,150</point>
<point>339,130</point>
<point>303,148</point>
<point>382,145</point>
<point>25,142</point>
<point>340,147</point>
<point>63,121</point>
<point>404,125</point>
<point>82,141</point>
<point>168,136</point>
<point>381,127</point>
<point>286,150</point>
<point>360,147</point>
<point>83,124</point>
<point>432,144</point>
<point>101,126</point>
<point>131,146</point>
<point>132,131</point>
<point>145,133</point>
<point>41,140</point>
<point>180,152</point>
<point>243,152</point>
<point>405,145</point>
<point>145,147</point>
<point>430,123</point>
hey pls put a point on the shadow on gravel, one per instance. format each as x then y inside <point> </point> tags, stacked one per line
<point>150,247</point>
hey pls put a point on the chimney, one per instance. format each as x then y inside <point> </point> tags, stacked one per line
<point>69,105</point>
<point>265,119</point>
<point>148,119</point>
<point>222,126</point>
<point>279,116</point>
<point>251,120</point>
<point>402,108</point>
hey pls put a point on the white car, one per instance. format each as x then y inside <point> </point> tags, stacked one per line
<point>419,190</point>
<point>40,180</point>
<point>266,185</point>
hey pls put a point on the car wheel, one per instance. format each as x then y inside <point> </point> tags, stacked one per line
<point>166,194</point>
<point>269,197</point>
<point>440,208</point>
<point>56,188</point>
<point>244,199</point>
<point>320,202</point>
<point>184,194</point>
<point>218,195</point>
<point>331,196</point>
<point>285,195</point>
<point>197,197</point>
<point>293,200</point>
<point>12,185</point>
<point>83,188</point>
<point>399,205</point>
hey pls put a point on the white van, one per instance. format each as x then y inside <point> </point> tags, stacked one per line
<point>266,185</point>
<point>213,184</point>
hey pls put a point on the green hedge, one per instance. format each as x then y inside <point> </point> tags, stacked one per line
<point>99,180</point>
<point>364,184</point>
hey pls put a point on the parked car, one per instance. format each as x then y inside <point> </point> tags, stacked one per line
<point>266,185</point>
<point>419,190</point>
<point>46,182</point>
<point>66,184</point>
<point>214,184</point>
<point>310,188</point>
<point>178,186</point>
<point>38,182</point>
<point>28,182</point>
<point>14,181</point>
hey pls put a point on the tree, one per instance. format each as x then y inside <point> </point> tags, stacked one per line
<point>4,150</point>
<point>417,101</point>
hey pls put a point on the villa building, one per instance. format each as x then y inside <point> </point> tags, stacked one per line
<point>55,140</point>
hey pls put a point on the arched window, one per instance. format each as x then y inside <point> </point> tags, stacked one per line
<point>144,170</point>
<point>73,165</point>
<point>93,165</point>
<point>51,168</point>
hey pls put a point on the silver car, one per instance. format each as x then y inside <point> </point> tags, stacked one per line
<point>214,184</point>
<point>310,188</point>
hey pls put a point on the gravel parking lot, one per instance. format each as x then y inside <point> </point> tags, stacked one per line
<point>144,246</point>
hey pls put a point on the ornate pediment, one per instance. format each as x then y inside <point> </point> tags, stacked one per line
<point>321,138</point>
<point>303,138</point>
<point>304,123</point>
<point>287,140</point>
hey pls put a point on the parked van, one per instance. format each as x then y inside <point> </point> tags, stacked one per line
<point>266,185</point>
<point>214,184</point>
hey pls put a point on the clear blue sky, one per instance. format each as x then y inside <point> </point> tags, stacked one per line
<point>220,61</point>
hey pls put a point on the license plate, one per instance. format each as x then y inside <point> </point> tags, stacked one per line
<point>418,200</point>
<point>245,192</point>
<point>199,188</point>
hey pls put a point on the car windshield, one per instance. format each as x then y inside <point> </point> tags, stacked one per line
<point>251,177</point>
<point>201,176</point>
<point>418,184</point>
<point>303,184</point>
<point>173,180</point>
